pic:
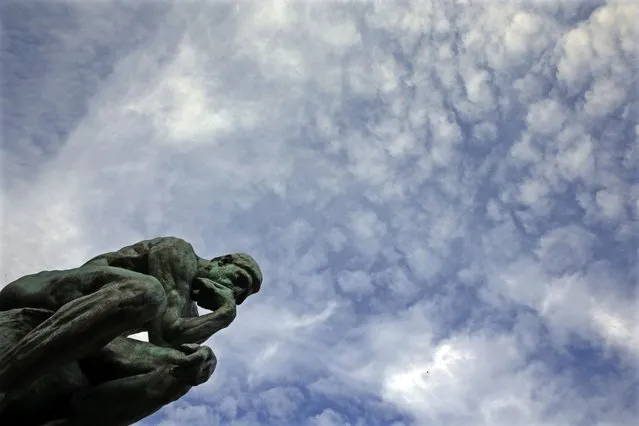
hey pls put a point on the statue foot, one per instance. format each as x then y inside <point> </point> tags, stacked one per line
<point>198,365</point>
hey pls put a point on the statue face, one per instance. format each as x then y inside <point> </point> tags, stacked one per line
<point>239,272</point>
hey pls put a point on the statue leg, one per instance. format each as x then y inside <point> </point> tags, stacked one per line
<point>163,376</point>
<point>124,357</point>
<point>125,401</point>
<point>46,394</point>
<point>117,302</point>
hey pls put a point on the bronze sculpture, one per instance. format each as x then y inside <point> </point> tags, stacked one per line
<point>64,354</point>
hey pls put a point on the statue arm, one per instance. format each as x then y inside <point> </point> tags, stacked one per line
<point>174,263</point>
<point>198,329</point>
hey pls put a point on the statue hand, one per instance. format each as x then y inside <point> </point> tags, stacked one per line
<point>198,365</point>
<point>212,295</point>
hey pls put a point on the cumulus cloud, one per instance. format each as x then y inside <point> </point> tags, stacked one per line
<point>442,195</point>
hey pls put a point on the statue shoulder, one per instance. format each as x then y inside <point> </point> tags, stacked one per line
<point>166,241</point>
<point>173,244</point>
<point>135,256</point>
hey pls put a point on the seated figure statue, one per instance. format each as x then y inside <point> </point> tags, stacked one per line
<point>66,359</point>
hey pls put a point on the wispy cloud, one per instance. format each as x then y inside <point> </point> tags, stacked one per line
<point>443,195</point>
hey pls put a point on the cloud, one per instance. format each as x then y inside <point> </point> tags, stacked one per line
<point>441,195</point>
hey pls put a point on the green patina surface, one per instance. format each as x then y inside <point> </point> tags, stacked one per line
<point>64,354</point>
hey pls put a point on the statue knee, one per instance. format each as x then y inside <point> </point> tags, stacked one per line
<point>147,295</point>
<point>155,294</point>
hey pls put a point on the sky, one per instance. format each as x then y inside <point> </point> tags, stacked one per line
<point>443,195</point>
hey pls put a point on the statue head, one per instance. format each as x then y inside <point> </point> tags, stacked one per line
<point>239,271</point>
